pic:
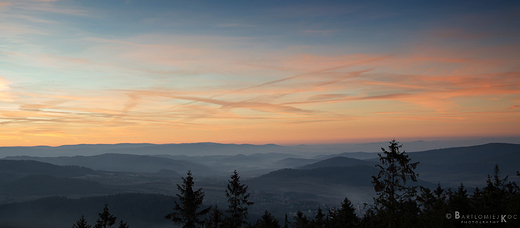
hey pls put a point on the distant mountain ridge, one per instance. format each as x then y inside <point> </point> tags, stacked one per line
<point>295,162</point>
<point>329,182</point>
<point>27,179</point>
<point>356,155</point>
<point>359,175</point>
<point>457,155</point>
<point>10,169</point>
<point>318,151</point>
<point>338,162</point>
<point>140,149</point>
<point>326,180</point>
<point>121,163</point>
<point>472,163</point>
<point>450,166</point>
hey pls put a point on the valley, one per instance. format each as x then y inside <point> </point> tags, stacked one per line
<point>278,182</point>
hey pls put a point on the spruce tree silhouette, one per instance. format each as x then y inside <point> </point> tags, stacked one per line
<point>345,216</point>
<point>123,224</point>
<point>215,218</point>
<point>500,195</point>
<point>267,221</point>
<point>394,204</point>
<point>319,219</point>
<point>185,213</point>
<point>300,220</point>
<point>434,205</point>
<point>238,200</point>
<point>459,200</point>
<point>347,213</point>
<point>105,219</point>
<point>81,223</point>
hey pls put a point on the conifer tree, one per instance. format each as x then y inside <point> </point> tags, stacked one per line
<point>332,218</point>
<point>215,218</point>
<point>459,200</point>
<point>267,221</point>
<point>369,218</point>
<point>301,220</point>
<point>81,223</point>
<point>394,205</point>
<point>105,219</point>
<point>190,201</point>
<point>319,219</point>
<point>432,207</point>
<point>123,224</point>
<point>238,200</point>
<point>500,195</point>
<point>345,216</point>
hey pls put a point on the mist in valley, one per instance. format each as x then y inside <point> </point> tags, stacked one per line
<point>141,185</point>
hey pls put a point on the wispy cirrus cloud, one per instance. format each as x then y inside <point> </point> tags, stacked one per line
<point>4,4</point>
<point>5,94</point>
<point>312,71</point>
<point>47,6</point>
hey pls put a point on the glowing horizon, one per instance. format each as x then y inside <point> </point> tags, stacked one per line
<point>76,72</point>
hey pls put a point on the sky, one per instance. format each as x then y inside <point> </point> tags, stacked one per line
<point>284,72</point>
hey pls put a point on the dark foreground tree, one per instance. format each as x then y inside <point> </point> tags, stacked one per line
<point>434,205</point>
<point>459,200</point>
<point>105,219</point>
<point>319,219</point>
<point>345,216</point>
<point>81,223</point>
<point>238,200</point>
<point>500,195</point>
<point>123,224</point>
<point>215,218</point>
<point>395,205</point>
<point>267,221</point>
<point>301,221</point>
<point>185,213</point>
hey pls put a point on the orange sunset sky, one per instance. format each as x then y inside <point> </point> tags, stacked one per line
<point>285,72</point>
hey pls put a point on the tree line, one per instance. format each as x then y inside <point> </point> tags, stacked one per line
<point>105,220</point>
<point>398,203</point>
<point>187,214</point>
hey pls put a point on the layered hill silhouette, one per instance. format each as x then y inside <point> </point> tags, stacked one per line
<point>295,162</point>
<point>470,165</point>
<point>32,179</point>
<point>359,175</point>
<point>356,155</point>
<point>10,169</point>
<point>448,166</point>
<point>291,177</point>
<point>138,210</point>
<point>491,153</point>
<point>328,178</point>
<point>121,163</point>
<point>338,162</point>
<point>44,185</point>
<point>141,149</point>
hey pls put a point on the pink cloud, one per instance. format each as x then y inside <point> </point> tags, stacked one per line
<point>47,7</point>
<point>4,4</point>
